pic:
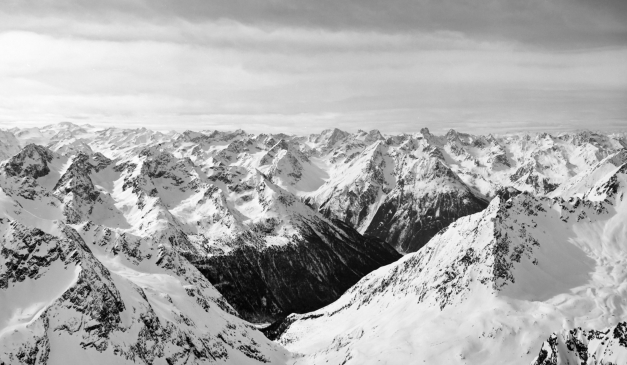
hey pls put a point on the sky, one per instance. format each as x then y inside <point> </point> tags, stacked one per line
<point>299,66</point>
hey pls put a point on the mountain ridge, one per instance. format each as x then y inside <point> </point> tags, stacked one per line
<point>150,246</point>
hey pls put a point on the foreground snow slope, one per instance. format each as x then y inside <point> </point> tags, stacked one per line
<point>487,290</point>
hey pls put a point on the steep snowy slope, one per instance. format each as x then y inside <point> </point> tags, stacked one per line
<point>287,166</point>
<point>582,184</point>
<point>489,289</point>
<point>231,220</point>
<point>358,185</point>
<point>288,258</point>
<point>427,198</point>
<point>399,190</point>
<point>86,294</point>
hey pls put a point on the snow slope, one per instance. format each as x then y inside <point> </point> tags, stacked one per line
<point>489,289</point>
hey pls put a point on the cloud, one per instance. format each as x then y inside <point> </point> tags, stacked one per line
<point>134,63</point>
<point>556,23</point>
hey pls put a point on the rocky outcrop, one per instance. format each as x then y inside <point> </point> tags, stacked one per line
<point>76,189</point>
<point>528,176</point>
<point>32,161</point>
<point>585,347</point>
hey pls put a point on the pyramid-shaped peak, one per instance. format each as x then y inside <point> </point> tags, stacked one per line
<point>374,135</point>
<point>331,136</point>
<point>32,160</point>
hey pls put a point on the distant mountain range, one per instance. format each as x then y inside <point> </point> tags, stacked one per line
<point>142,246</point>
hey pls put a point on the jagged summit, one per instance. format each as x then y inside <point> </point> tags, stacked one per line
<point>580,346</point>
<point>31,161</point>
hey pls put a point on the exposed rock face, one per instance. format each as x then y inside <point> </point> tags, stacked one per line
<point>26,173</point>
<point>77,190</point>
<point>32,161</point>
<point>585,347</point>
<point>526,175</point>
<point>30,254</point>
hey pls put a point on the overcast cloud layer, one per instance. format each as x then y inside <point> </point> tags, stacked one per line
<point>301,66</point>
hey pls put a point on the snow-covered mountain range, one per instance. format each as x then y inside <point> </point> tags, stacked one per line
<point>157,247</point>
<point>491,287</point>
